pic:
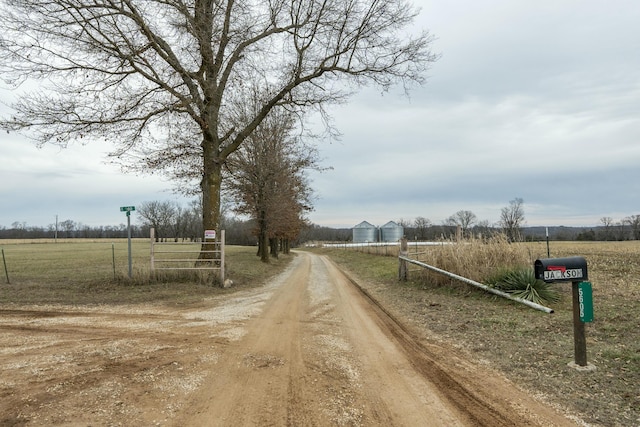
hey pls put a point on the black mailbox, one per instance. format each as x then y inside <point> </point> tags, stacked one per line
<point>570,269</point>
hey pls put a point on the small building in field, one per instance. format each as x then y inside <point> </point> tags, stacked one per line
<point>391,232</point>
<point>364,232</point>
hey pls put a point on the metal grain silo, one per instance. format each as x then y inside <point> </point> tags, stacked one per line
<point>364,232</point>
<point>391,232</point>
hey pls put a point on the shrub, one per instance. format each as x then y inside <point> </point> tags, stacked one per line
<point>522,283</point>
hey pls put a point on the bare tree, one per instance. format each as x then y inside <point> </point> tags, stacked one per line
<point>159,215</point>
<point>267,181</point>
<point>160,78</point>
<point>464,219</point>
<point>634,223</point>
<point>194,229</point>
<point>607,224</point>
<point>421,225</point>
<point>180,223</point>
<point>512,219</point>
<point>68,226</point>
<point>289,214</point>
<point>620,231</point>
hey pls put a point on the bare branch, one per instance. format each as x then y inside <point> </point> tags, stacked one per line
<point>160,79</point>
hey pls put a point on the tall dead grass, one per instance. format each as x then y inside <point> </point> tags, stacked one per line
<point>476,259</point>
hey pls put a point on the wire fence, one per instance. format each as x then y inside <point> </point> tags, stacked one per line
<point>42,261</point>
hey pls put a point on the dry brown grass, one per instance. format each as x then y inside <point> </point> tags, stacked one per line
<point>474,259</point>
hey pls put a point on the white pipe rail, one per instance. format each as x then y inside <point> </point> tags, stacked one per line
<point>480,285</point>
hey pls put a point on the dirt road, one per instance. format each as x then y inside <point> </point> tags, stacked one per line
<point>309,349</point>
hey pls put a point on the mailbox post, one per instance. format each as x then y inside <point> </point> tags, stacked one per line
<point>574,270</point>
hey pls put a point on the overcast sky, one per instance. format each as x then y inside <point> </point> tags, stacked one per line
<point>532,99</point>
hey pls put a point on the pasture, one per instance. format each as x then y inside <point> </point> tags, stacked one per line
<point>78,271</point>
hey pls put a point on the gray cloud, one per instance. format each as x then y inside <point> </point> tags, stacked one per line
<point>537,100</point>
<point>533,100</point>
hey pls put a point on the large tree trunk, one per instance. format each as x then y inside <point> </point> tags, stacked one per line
<point>211,186</point>
<point>273,243</point>
<point>263,237</point>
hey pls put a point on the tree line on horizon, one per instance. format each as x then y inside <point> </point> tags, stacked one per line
<point>173,221</point>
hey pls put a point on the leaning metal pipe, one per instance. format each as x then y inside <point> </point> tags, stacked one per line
<point>480,285</point>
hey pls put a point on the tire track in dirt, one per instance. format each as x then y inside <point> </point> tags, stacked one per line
<point>481,398</point>
<point>104,366</point>
<point>261,381</point>
<point>323,352</point>
<point>309,348</point>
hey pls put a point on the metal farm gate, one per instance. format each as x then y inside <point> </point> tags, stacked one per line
<point>184,255</point>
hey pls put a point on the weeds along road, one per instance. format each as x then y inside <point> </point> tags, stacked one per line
<point>323,353</point>
<point>307,349</point>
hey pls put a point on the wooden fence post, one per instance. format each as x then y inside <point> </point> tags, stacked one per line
<point>402,266</point>
<point>6,272</point>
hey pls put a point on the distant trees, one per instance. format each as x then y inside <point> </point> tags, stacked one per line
<point>157,215</point>
<point>512,219</point>
<point>607,227</point>
<point>421,225</point>
<point>634,223</point>
<point>170,220</point>
<point>463,219</point>
<point>192,218</point>
<point>175,221</point>
<point>483,228</point>
<point>20,230</point>
<point>587,235</point>
<point>615,230</point>
<point>314,232</point>
<point>67,227</point>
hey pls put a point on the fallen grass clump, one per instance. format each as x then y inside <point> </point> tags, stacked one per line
<point>522,283</point>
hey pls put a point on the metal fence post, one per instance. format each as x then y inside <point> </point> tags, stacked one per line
<point>222,244</point>
<point>152,233</point>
